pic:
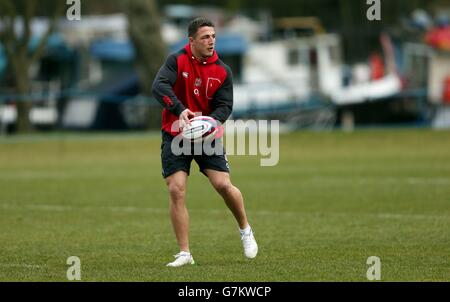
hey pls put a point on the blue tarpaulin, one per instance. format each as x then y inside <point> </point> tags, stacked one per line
<point>55,40</point>
<point>113,50</point>
<point>55,44</point>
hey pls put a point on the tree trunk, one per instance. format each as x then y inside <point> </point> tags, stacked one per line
<point>145,33</point>
<point>23,89</point>
<point>17,48</point>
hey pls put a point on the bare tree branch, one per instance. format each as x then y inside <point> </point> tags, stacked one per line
<point>8,11</point>
<point>7,8</point>
<point>30,10</point>
<point>43,41</point>
<point>16,46</point>
<point>2,29</point>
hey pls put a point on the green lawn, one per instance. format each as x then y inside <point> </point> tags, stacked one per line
<point>333,200</point>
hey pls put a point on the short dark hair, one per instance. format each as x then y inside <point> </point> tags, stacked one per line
<point>197,23</point>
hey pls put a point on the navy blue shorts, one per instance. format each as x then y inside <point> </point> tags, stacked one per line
<point>172,163</point>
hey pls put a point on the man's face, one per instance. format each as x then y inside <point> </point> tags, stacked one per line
<point>203,42</point>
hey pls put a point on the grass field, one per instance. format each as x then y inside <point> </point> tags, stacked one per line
<point>333,200</point>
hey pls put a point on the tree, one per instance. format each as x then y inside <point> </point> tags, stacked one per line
<point>16,44</point>
<point>145,32</point>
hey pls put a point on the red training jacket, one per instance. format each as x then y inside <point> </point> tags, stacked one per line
<point>201,86</point>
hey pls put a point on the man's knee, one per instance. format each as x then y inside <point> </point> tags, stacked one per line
<point>176,189</point>
<point>223,186</point>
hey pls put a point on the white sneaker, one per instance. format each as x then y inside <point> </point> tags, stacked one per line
<point>182,258</point>
<point>250,246</point>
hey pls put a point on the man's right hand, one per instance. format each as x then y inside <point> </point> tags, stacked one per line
<point>184,118</point>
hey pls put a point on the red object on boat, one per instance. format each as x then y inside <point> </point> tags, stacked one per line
<point>376,66</point>
<point>446,95</point>
<point>439,38</point>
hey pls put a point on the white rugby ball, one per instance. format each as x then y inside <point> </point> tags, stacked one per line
<point>201,128</point>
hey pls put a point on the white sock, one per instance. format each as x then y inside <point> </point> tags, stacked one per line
<point>246,230</point>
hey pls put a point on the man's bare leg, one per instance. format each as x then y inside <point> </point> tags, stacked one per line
<point>235,202</point>
<point>176,184</point>
<point>231,195</point>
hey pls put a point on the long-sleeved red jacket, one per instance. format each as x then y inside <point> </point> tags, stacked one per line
<point>201,86</point>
